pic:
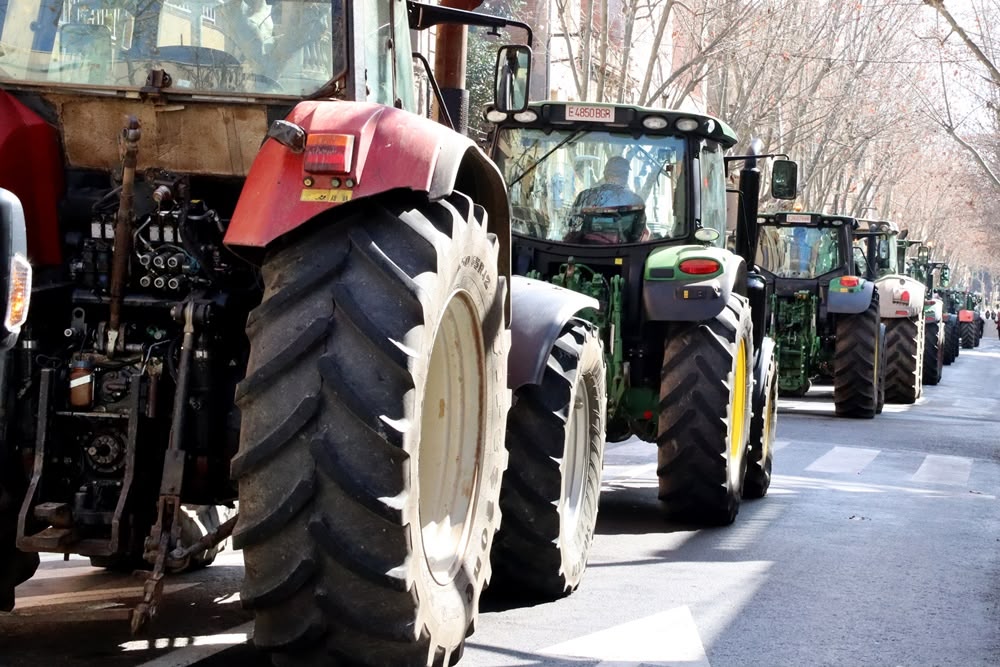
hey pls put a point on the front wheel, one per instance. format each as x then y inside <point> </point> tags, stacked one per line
<point>952,339</point>
<point>762,429</point>
<point>372,447</point>
<point>933,353</point>
<point>705,388</point>
<point>550,492</point>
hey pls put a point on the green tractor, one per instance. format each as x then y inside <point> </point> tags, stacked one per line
<point>629,205</point>
<point>901,308</point>
<point>922,268</point>
<point>949,306</point>
<point>824,311</point>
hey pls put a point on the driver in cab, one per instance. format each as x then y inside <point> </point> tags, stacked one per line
<point>608,212</point>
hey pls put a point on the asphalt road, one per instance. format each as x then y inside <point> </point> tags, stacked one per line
<point>878,544</point>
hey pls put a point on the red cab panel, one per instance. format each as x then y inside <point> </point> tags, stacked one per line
<point>390,149</point>
<point>31,167</point>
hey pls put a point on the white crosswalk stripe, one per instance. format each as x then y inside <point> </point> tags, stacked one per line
<point>844,460</point>
<point>938,469</point>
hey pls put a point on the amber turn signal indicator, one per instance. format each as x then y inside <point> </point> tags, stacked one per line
<point>19,295</point>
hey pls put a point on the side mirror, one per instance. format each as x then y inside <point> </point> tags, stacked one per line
<point>513,76</point>
<point>784,179</point>
<point>903,234</point>
<point>945,275</point>
<point>707,235</point>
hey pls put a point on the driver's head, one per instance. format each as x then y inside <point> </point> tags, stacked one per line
<point>616,170</point>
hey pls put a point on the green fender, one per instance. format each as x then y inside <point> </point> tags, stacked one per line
<point>672,295</point>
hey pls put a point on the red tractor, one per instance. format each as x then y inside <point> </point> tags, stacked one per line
<point>262,280</point>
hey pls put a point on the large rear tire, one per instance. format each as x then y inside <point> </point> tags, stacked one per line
<point>967,332</point>
<point>372,446</point>
<point>705,395</point>
<point>763,426</point>
<point>904,342</point>
<point>933,352</point>
<point>550,492</point>
<point>856,362</point>
<point>16,566</point>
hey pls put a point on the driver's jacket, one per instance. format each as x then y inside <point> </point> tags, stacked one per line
<point>607,195</point>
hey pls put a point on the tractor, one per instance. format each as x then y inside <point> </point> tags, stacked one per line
<point>629,205</point>
<point>901,307</point>
<point>260,278</point>
<point>922,268</point>
<point>949,306</point>
<point>970,318</point>
<point>825,310</point>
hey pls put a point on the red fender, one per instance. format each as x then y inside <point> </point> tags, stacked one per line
<point>392,149</point>
<point>31,167</point>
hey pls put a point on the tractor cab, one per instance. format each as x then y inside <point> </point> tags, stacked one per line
<point>805,250</point>
<point>883,242</point>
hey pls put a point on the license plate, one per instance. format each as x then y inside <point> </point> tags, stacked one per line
<point>591,114</point>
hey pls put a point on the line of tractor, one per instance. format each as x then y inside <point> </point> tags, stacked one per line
<point>240,269</point>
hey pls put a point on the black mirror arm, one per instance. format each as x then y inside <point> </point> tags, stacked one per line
<point>424,16</point>
<point>733,158</point>
<point>442,107</point>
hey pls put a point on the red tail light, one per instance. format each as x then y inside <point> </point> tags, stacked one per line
<point>699,267</point>
<point>849,281</point>
<point>905,296</point>
<point>329,153</point>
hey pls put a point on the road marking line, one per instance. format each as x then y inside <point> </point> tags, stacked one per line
<point>779,444</point>
<point>191,649</point>
<point>620,473</point>
<point>668,638</point>
<point>844,460</point>
<point>941,469</point>
<point>782,483</point>
<point>102,595</point>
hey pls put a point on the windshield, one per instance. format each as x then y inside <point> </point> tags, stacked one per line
<point>275,47</point>
<point>594,187</point>
<point>798,252</point>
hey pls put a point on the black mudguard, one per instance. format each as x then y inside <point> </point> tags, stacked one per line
<point>539,312</point>
<point>850,303</point>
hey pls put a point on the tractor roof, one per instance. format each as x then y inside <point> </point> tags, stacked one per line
<point>803,219</point>
<point>594,116</point>
<point>881,226</point>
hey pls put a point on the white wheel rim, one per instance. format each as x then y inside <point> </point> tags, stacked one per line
<point>451,437</point>
<point>575,463</point>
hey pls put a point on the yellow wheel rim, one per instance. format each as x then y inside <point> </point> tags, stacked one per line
<point>737,425</point>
